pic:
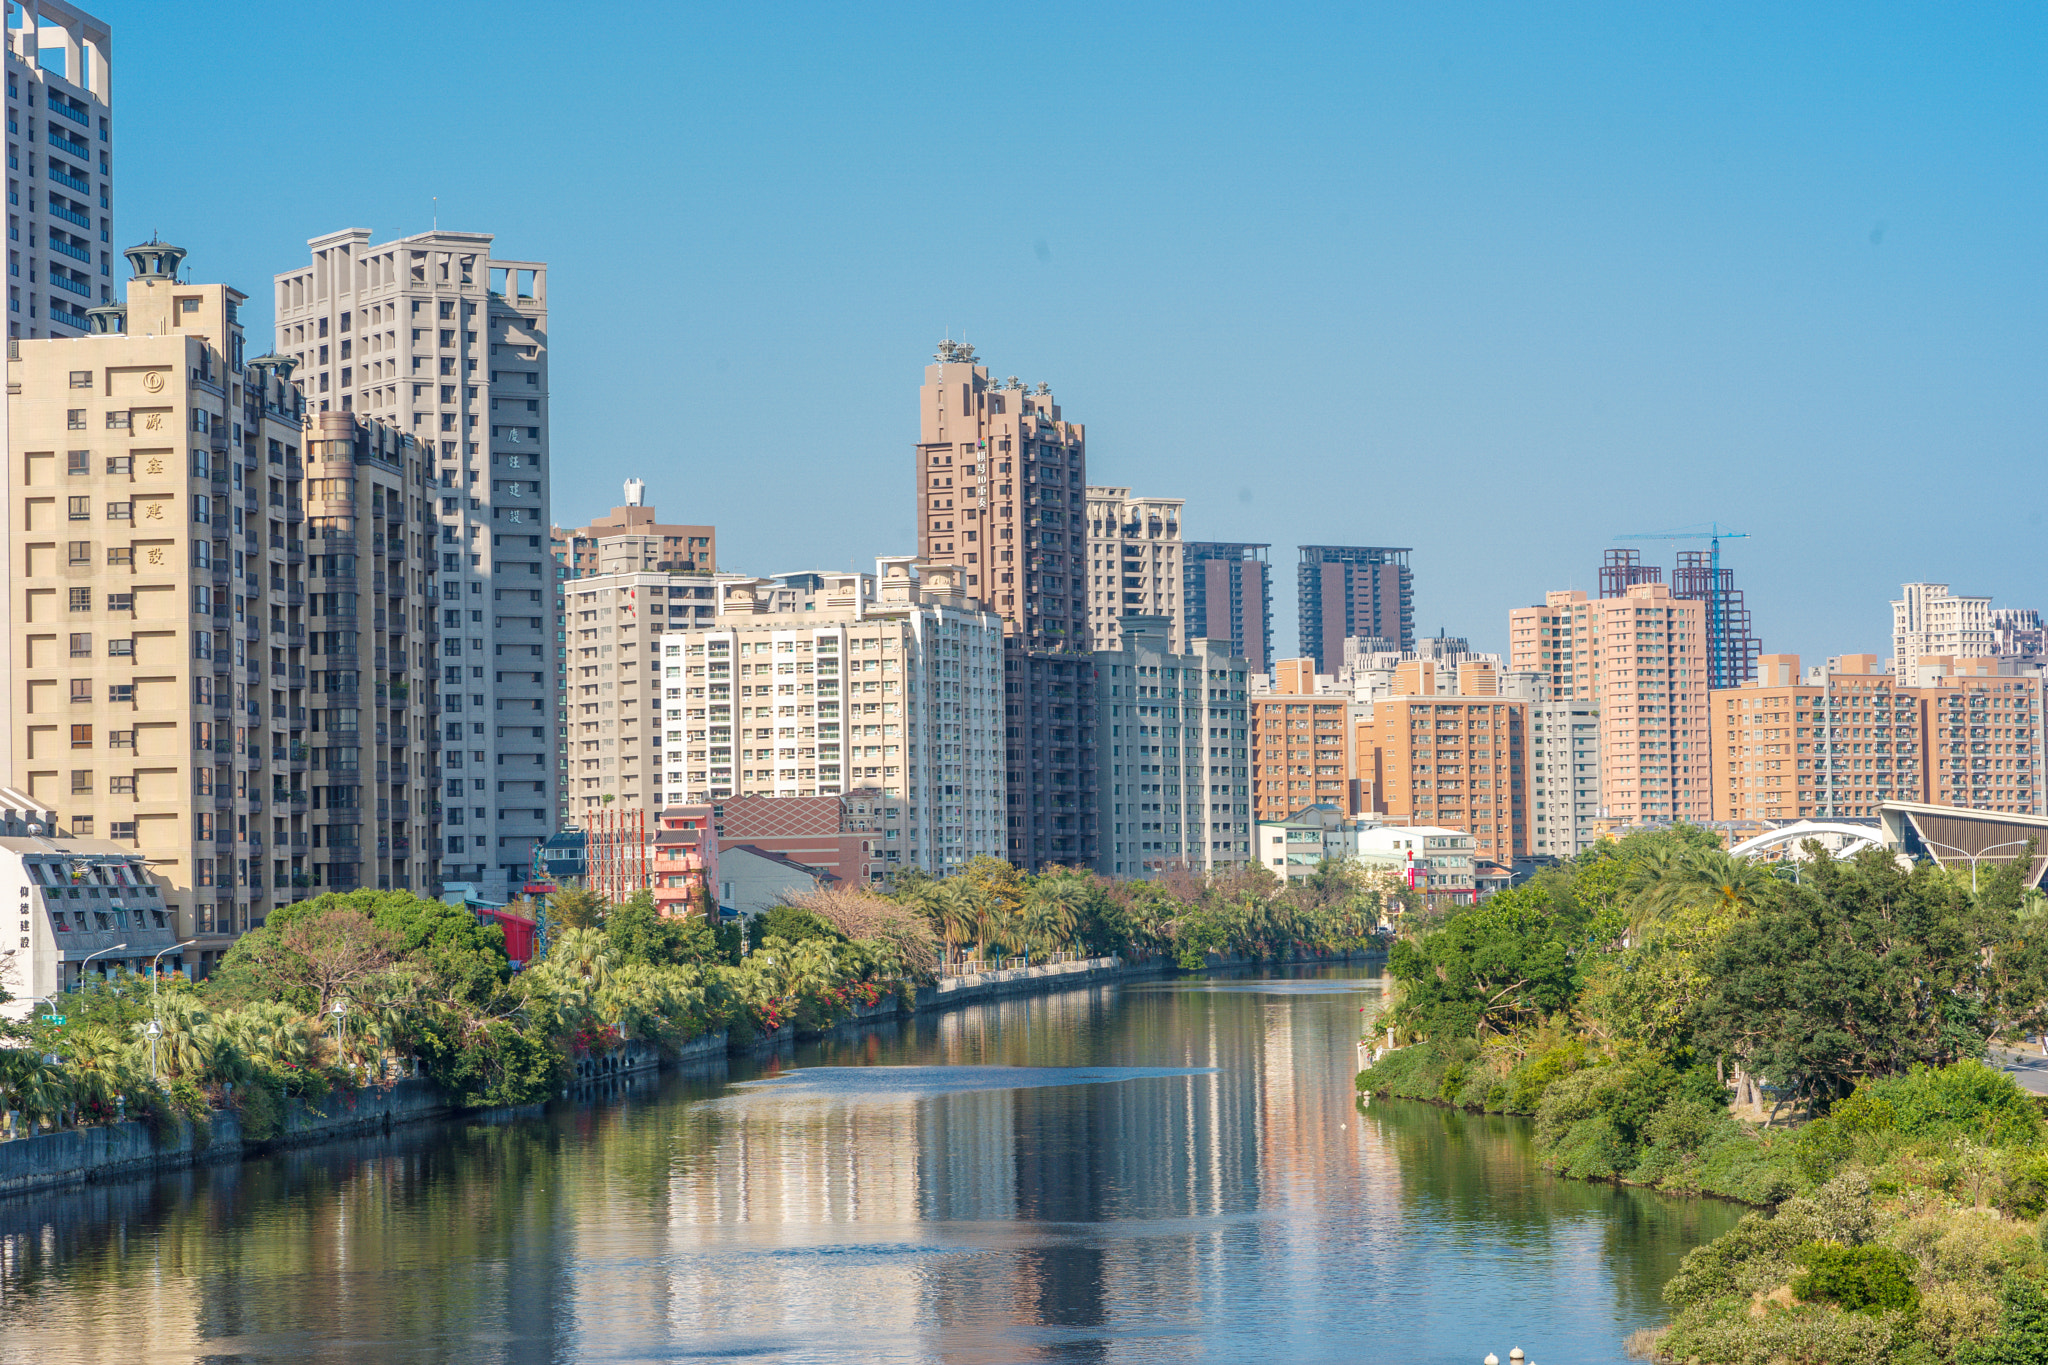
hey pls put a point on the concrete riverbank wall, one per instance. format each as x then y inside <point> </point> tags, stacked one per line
<point>76,1156</point>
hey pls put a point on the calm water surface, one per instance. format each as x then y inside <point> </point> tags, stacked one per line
<point>1163,1172</point>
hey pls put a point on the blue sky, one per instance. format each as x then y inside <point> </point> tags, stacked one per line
<point>1497,282</point>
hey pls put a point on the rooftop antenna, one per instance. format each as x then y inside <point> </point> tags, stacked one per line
<point>437,213</point>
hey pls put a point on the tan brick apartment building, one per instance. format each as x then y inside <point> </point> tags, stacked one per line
<point>1851,737</point>
<point>1641,659</point>
<point>631,539</point>
<point>1301,746</point>
<point>1455,759</point>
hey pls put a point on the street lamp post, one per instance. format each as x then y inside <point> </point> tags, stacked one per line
<point>101,953</point>
<point>154,1031</point>
<point>1973,857</point>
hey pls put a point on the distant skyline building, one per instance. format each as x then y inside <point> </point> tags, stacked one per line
<point>1001,479</point>
<point>633,539</point>
<point>1227,594</point>
<point>1134,563</point>
<point>1929,620</point>
<point>1696,579</point>
<point>435,337</point>
<point>1362,590</point>
<point>60,161</point>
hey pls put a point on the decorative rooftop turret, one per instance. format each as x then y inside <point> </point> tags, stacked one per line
<point>283,365</point>
<point>154,260</point>
<point>108,319</point>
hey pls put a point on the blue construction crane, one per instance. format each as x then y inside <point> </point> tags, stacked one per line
<point>1721,667</point>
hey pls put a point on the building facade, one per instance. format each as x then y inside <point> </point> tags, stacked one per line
<point>80,906</point>
<point>631,539</point>
<point>1001,476</point>
<point>186,657</point>
<point>1564,778</point>
<point>1227,595</point>
<point>1928,620</point>
<point>1363,590</point>
<point>891,683</point>
<point>842,835</point>
<point>609,686</point>
<point>1134,564</point>
<point>1435,755</point>
<point>434,337</point>
<point>1848,737</point>
<point>60,169</point>
<point>1640,660</point>
<point>1175,758</point>
<point>1301,746</point>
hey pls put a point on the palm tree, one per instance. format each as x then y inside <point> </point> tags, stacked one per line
<point>1052,907</point>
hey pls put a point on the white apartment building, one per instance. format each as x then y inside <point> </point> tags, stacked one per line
<point>610,684</point>
<point>1174,753</point>
<point>821,684</point>
<point>432,335</point>
<point>1927,620</point>
<point>1134,563</point>
<point>60,169</point>
<point>1564,778</point>
<point>80,906</point>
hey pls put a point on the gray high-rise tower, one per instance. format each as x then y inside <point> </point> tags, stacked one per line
<point>433,336</point>
<point>60,169</point>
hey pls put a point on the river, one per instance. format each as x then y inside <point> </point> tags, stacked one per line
<point>1152,1171</point>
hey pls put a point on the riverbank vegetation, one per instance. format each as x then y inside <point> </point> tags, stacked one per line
<point>359,988</point>
<point>1674,1017</point>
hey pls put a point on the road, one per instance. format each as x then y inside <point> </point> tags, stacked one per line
<point>2029,1068</point>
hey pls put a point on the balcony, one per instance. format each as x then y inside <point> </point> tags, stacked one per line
<point>61,211</point>
<point>66,282</point>
<point>64,177</point>
<point>78,116</point>
<point>76,253</point>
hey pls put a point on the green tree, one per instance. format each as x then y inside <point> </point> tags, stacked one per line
<point>576,907</point>
<point>1490,967</point>
<point>640,933</point>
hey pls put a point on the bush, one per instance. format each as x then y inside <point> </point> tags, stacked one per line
<point>1863,1279</point>
<point>1968,1099</point>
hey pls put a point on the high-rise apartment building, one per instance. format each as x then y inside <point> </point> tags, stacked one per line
<point>60,169</point>
<point>1174,754</point>
<point>1732,643</point>
<point>890,682</point>
<point>1452,758</point>
<point>1564,777</point>
<point>1849,736</point>
<point>632,540</point>
<point>1001,479</point>
<point>1227,594</point>
<point>1640,659</point>
<point>1354,590</point>
<point>1928,620</point>
<point>1301,743</point>
<point>433,336</point>
<point>193,640</point>
<point>2018,633</point>
<point>1134,564</point>
<point>610,697</point>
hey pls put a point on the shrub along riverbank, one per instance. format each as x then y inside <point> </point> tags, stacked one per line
<point>354,989</point>
<point>1672,1017</point>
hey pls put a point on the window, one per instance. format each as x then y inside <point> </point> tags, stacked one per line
<point>81,379</point>
<point>81,736</point>
<point>74,419</point>
<point>120,601</point>
<point>80,553</point>
<point>81,689</point>
<point>77,462</point>
<point>81,646</point>
<point>80,509</point>
<point>120,739</point>
<point>120,511</point>
<point>118,421</point>
<point>122,829</point>
<point>80,599</point>
<point>81,782</point>
<point>120,555</point>
<point>121,649</point>
<point>120,464</point>
<point>81,827</point>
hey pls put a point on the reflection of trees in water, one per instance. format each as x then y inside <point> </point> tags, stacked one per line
<point>1479,1171</point>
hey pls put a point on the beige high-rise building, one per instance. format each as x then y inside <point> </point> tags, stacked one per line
<point>434,336</point>
<point>1640,658</point>
<point>1134,564</point>
<point>188,670</point>
<point>1001,475</point>
<point>612,625</point>
<point>891,682</point>
<point>60,168</point>
<point>1439,754</point>
<point>1927,620</point>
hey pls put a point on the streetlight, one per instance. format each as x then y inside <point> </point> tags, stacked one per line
<point>101,953</point>
<point>1973,857</point>
<point>154,1032</point>
<point>152,968</point>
